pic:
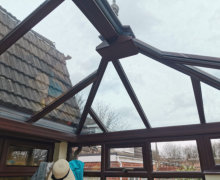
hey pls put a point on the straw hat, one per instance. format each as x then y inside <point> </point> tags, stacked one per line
<point>61,171</point>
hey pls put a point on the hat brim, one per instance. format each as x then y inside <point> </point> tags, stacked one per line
<point>69,177</point>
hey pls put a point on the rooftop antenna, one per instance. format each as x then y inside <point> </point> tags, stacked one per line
<point>115,7</point>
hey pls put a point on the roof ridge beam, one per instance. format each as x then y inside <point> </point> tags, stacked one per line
<point>157,55</point>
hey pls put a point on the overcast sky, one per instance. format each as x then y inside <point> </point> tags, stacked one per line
<point>187,26</point>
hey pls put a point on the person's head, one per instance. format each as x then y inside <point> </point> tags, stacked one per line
<point>61,171</point>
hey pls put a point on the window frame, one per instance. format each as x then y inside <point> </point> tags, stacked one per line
<point>110,146</point>
<point>201,141</point>
<point>11,171</point>
<point>215,167</point>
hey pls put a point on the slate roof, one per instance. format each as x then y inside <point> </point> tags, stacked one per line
<point>33,73</point>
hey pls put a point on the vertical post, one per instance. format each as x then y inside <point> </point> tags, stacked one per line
<point>60,151</point>
<point>205,153</point>
<point>103,161</point>
<point>147,158</point>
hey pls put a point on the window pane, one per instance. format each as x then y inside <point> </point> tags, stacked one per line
<point>177,178</point>
<point>90,155</point>
<point>90,126</point>
<point>126,178</point>
<point>192,30</point>
<point>113,104</point>
<point>211,101</point>
<point>216,150</point>
<point>126,157</point>
<point>214,72</point>
<point>15,178</point>
<point>25,156</point>
<point>66,117</point>
<point>91,178</point>
<point>175,156</point>
<point>165,94</point>
<point>56,54</point>
<point>7,23</point>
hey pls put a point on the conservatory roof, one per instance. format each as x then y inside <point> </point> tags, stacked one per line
<point>197,77</point>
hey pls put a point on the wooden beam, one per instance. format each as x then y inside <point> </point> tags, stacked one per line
<point>64,97</point>
<point>35,17</point>
<point>158,133</point>
<point>156,54</point>
<point>198,97</point>
<point>91,97</point>
<point>180,58</point>
<point>206,157</point>
<point>194,60</point>
<point>131,92</point>
<point>95,15</point>
<point>30,130</point>
<point>97,120</point>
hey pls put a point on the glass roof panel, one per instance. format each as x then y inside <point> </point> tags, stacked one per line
<point>182,26</point>
<point>46,62</point>
<point>66,117</point>
<point>214,72</point>
<point>18,10</point>
<point>211,101</point>
<point>113,105</point>
<point>166,95</point>
<point>90,126</point>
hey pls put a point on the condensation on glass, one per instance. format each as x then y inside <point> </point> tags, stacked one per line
<point>130,157</point>
<point>90,155</point>
<point>216,150</point>
<point>175,156</point>
<point>25,156</point>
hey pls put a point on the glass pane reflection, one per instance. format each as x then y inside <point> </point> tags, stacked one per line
<point>25,156</point>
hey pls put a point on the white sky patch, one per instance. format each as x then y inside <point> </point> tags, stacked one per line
<point>188,26</point>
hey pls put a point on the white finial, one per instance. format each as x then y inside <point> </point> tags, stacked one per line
<point>115,7</point>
